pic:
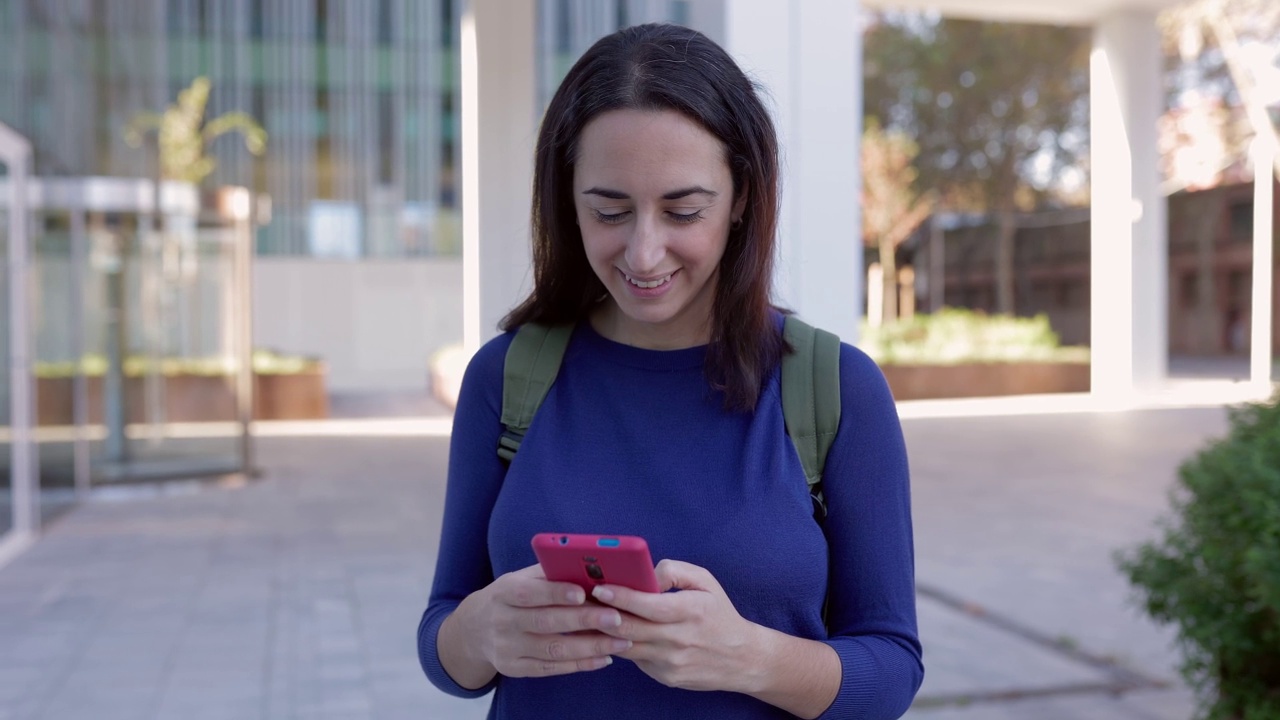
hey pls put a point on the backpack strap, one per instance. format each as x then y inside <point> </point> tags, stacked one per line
<point>811,399</point>
<point>531,365</point>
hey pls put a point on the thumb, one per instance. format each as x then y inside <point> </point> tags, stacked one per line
<point>677,575</point>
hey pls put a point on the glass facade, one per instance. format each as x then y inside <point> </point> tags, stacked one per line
<point>358,100</point>
<point>141,365</point>
<point>19,501</point>
<point>7,507</point>
<point>126,356</point>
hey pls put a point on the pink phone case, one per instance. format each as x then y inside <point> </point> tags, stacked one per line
<point>590,560</point>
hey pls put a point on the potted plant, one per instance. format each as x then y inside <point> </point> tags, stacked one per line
<point>965,353</point>
<point>1214,572</point>
<point>286,387</point>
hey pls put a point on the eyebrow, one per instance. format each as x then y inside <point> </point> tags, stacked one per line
<point>673,195</point>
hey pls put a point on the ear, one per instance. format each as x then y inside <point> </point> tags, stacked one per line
<point>739,205</point>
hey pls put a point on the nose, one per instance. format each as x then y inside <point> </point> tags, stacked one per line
<point>646,247</point>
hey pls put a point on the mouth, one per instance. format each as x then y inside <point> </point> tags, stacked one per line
<point>649,284</point>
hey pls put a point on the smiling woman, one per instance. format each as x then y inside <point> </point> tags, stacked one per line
<point>681,93</point>
<point>654,213</point>
<point>654,203</point>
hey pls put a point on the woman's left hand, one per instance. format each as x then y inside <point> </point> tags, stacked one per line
<point>693,639</point>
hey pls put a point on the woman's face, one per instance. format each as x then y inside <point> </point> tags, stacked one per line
<point>654,201</point>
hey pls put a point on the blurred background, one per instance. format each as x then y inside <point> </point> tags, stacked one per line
<point>224,221</point>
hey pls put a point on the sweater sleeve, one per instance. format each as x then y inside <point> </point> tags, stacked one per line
<point>475,477</point>
<point>871,604</point>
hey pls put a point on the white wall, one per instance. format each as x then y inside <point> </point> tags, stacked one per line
<point>808,55</point>
<point>375,322</point>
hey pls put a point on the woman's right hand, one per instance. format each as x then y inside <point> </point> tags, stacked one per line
<point>523,625</point>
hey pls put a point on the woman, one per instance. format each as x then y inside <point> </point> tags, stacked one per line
<point>654,212</point>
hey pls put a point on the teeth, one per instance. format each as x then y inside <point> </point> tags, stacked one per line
<point>649,285</point>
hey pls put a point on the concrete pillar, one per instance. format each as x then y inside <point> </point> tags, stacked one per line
<point>1129,286</point>
<point>15,155</point>
<point>498,133</point>
<point>808,55</point>
<point>1264,152</point>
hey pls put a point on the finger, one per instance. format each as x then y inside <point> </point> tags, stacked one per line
<point>529,667</point>
<point>534,571</point>
<point>655,607</point>
<point>557,620</point>
<point>677,575</point>
<point>572,648</point>
<point>527,588</point>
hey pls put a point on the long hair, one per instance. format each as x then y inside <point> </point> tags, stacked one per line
<point>664,67</point>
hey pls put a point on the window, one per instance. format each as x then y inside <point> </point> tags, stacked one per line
<point>447,22</point>
<point>680,12</point>
<point>386,26</point>
<point>1241,214</point>
<point>563,33</point>
<point>386,137</point>
<point>1189,289</point>
<point>321,20</point>
<point>257,22</point>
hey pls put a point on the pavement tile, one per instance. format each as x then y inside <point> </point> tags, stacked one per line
<point>297,596</point>
<point>963,655</point>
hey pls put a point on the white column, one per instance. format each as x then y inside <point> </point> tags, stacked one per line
<point>498,132</point>
<point>1264,152</point>
<point>808,55</point>
<point>24,477</point>
<point>1129,243</point>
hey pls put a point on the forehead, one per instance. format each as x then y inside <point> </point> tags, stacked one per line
<point>635,149</point>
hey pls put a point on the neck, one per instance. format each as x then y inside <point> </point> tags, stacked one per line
<point>676,334</point>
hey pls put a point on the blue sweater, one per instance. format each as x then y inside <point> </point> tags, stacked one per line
<point>633,441</point>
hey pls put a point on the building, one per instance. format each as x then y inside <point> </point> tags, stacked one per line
<point>360,264</point>
<point>1210,261</point>
<point>325,69</point>
<point>360,102</point>
<point>356,99</point>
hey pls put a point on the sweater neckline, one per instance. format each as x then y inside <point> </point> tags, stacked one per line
<point>638,357</point>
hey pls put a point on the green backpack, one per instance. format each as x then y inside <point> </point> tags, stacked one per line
<point>810,391</point>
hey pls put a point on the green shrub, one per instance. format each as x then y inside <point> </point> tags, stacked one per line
<point>954,335</point>
<point>265,362</point>
<point>1215,572</point>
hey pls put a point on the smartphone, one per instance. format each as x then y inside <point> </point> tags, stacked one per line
<point>590,560</point>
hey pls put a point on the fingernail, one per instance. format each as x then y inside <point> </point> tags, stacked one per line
<point>602,594</point>
<point>608,660</point>
<point>576,597</point>
<point>611,620</point>
<point>621,645</point>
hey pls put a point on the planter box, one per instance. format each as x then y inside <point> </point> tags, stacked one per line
<point>193,398</point>
<point>919,382</point>
<point>296,396</point>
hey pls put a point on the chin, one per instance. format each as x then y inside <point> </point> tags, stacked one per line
<point>648,316</point>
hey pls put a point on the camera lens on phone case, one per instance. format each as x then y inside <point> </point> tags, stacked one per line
<point>564,540</point>
<point>594,572</point>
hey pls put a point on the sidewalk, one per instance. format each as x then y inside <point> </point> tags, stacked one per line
<point>297,596</point>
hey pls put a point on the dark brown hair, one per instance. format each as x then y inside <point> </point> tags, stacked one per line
<point>664,67</point>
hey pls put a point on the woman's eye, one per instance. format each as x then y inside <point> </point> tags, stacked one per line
<point>686,219</point>
<point>611,218</point>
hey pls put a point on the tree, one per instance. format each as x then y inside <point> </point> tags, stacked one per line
<point>999,111</point>
<point>892,206</point>
<point>184,137</point>
<point>1208,44</point>
<point>1213,37</point>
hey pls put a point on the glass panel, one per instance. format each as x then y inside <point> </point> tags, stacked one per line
<point>160,314</point>
<point>56,285</point>
<point>6,475</point>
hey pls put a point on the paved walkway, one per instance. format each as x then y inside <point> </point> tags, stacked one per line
<point>298,595</point>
